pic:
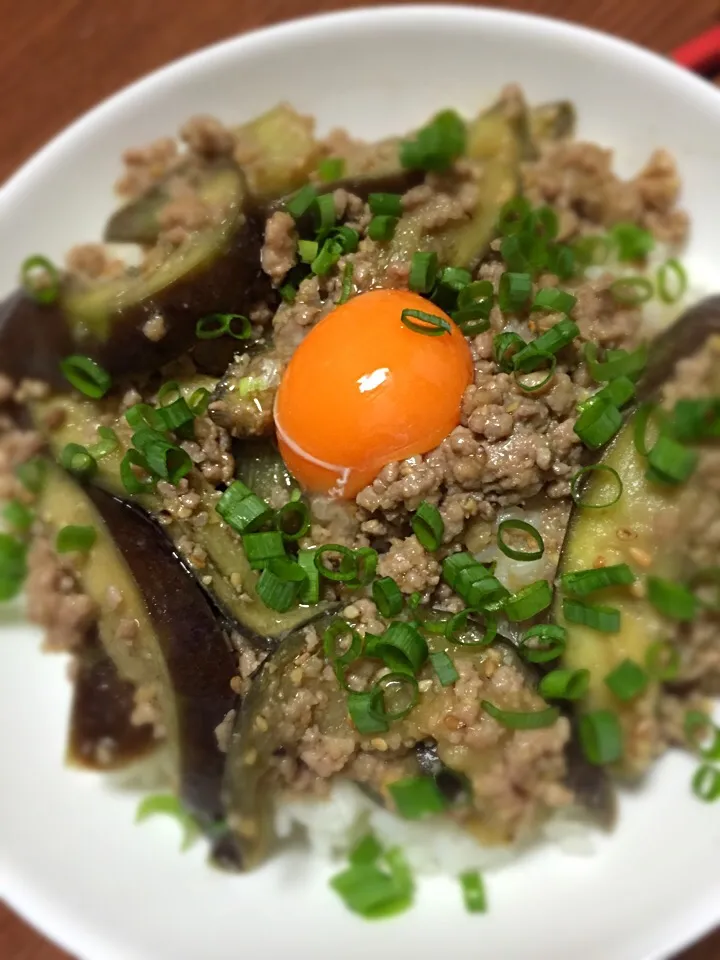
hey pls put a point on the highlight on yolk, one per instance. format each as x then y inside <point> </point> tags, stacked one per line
<point>363,389</point>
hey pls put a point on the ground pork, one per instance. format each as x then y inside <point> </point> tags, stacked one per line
<point>145,166</point>
<point>207,137</point>
<point>280,248</point>
<point>55,600</point>
<point>410,566</point>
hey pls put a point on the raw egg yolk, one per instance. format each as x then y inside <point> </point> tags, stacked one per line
<point>363,389</point>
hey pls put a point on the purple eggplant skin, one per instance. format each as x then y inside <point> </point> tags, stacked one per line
<point>33,340</point>
<point>198,657</point>
<point>102,735</point>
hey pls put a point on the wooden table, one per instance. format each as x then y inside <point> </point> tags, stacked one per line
<point>59,58</point>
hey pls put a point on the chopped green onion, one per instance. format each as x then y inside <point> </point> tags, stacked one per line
<point>528,382</point>
<point>553,340</point>
<point>261,547</point>
<point>130,480</point>
<point>423,272</point>
<point>555,300</point>
<point>437,145</point>
<point>216,325</point>
<point>385,204</point>
<point>561,261</point>
<point>32,473</point>
<point>627,681</point>
<point>545,222</point>
<point>601,737</point>
<point>366,850</point>
<point>13,566</point>
<point>454,564</point>
<point>565,684</point>
<point>478,588</point>
<point>310,588</point>
<point>288,293</point>
<point>696,725</point>
<point>473,891</point>
<point>641,420</point>
<point>428,526</point>
<point>347,237</point>
<point>169,805</point>
<point>584,582</point>
<point>75,538</point>
<point>174,416</point>
<point>598,423</point>
<point>302,201</point>
<point>107,444</point>
<point>293,520</point>
<point>365,711</point>
<point>400,686</point>
<point>341,643</point>
<point>672,600</point>
<point>514,291</point>
<point>387,597</point>
<point>142,415</point>
<point>603,619</point>
<point>241,509</point>
<point>308,250</point>
<point>280,583</point>
<point>592,250</point>
<point>524,527</point>
<point>670,462</point>
<point>346,568</point>
<point>414,600</point>
<point>325,213</point>
<point>382,229</point>
<point>78,460</point>
<point>475,302</point>
<point>86,376</point>
<point>40,279</point>
<point>417,797</point>
<point>331,168</point>
<point>662,661</point>
<point>347,278</point>
<point>329,254</point>
<point>455,279</point>
<point>366,561</point>
<point>401,647</point>
<point>513,215</point>
<point>505,348</point>
<point>632,242</point>
<point>706,783</point>
<point>431,325</point>
<point>444,668</point>
<point>624,363</point>
<point>515,253</point>
<point>618,392</point>
<point>375,893</point>
<point>696,420</point>
<point>631,291</point>
<point>529,601</point>
<point>551,644</point>
<point>166,459</point>
<point>18,516</point>
<point>458,630</point>
<point>521,720</point>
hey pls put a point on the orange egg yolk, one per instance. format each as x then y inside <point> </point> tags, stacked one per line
<point>363,389</point>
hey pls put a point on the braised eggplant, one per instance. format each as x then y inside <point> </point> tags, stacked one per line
<point>552,121</point>
<point>176,649</point>
<point>102,734</point>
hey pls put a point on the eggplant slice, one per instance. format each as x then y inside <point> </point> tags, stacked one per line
<point>178,650</point>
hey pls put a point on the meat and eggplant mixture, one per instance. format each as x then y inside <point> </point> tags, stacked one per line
<point>370,462</point>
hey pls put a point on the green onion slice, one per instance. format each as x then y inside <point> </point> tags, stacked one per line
<point>522,720</point>
<point>672,281</point>
<point>592,250</point>
<point>466,633</point>
<point>402,647</point>
<point>672,600</point>
<point>347,278</point>
<point>302,201</point>
<point>32,473</point>
<point>437,145</point>
<point>75,538</point>
<point>622,363</point>
<point>662,660</point>
<point>473,891</point>
<point>523,527</point>
<point>385,204</point>
<point>329,254</point>
<point>543,642</point>
<point>78,460</point>
<point>529,601</point>
<point>631,291</point>
<point>514,291</point>
<point>444,668</point>
<point>107,444</point>
<point>428,526</point>
<point>584,582</point>
<point>670,462</point>
<point>308,250</point>
<point>241,509</point>
<point>310,588</point>
<point>280,583</point>
<point>430,324</point>
<point>261,547</point>
<point>706,783</point>
<point>342,644</point>
<point>132,481</point>
<point>366,712</point>
<point>86,376</point>
<point>417,797</point>
<point>13,566</point>
<point>513,215</point>
<point>381,229</point>
<point>528,380</point>
<point>366,560</point>
<point>293,520</point>
<point>331,168</point>
<point>373,892</point>
<point>170,806</point>
<point>564,685</point>
<point>556,338</point>
<point>399,693</point>
<point>18,516</point>
<point>505,347</point>
<point>344,569</point>
<point>366,850</point>
<point>387,597</point>
<point>554,299</point>
<point>216,325</point>
<point>697,727</point>
<point>601,737</point>
<point>423,272</point>
<point>632,242</point>
<point>40,279</point>
<point>325,213</point>
<point>603,619</point>
<point>696,420</point>
<point>627,681</point>
<point>598,423</point>
<point>611,479</point>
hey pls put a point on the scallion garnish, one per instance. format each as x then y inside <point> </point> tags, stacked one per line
<point>32,473</point>
<point>139,479</point>
<point>261,547</point>
<point>584,582</point>
<point>382,229</point>
<point>631,291</point>
<point>401,688</point>
<point>344,569</point>
<point>280,584</point>
<point>347,278</point>
<point>385,204</point>
<point>706,783</point>
<point>521,720</point>
<point>529,382</point>
<point>329,254</point>
<point>428,526</point>
<point>331,168</point>
<point>170,806</point>
<point>341,642</point>
<point>627,680</point>
<point>107,444</point>
<point>592,250</point>
<point>618,392</point>
<point>473,891</point>
<point>613,479</point>
<point>601,737</point>
<point>216,325</point>
<point>697,726</point>
<point>696,420</point>
<point>417,797</point>
<point>18,516</point>
<point>466,633</point>
<point>241,509</point>
<point>505,347</point>
<point>366,712</point>
<point>401,647</point>
<point>475,302</point>
<point>40,279</point>
<point>293,520</point>
<point>308,250</point>
<point>564,684</point>
<point>598,423</point>
<point>310,588</point>
<point>603,619</point>
<point>299,204</point>
<point>514,291</point>
<point>142,415</point>
<point>672,600</point>
<point>662,660</point>
<point>430,325</point>
<point>670,462</point>
<point>13,566</point>
<point>387,597</point>
<point>529,601</point>
<point>524,527</point>
<point>543,642</point>
<point>632,242</point>
<point>618,363</point>
<point>437,145</point>
<point>378,889</point>
<point>347,237</point>
<point>75,538</point>
<point>86,376</point>
<point>444,668</point>
<point>423,272</point>
<point>325,213</point>
<point>78,460</point>
<point>553,299</point>
<point>553,340</point>
<point>165,459</point>
<point>513,215</point>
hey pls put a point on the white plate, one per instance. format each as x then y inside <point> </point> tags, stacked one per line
<point>71,859</point>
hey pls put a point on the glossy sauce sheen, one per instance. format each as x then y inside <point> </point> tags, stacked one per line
<point>363,389</point>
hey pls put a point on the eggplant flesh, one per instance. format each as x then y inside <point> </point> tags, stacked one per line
<point>102,735</point>
<point>178,649</point>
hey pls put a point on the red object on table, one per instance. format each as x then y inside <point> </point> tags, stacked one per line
<point>702,54</point>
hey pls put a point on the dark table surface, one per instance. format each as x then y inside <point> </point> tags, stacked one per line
<point>60,57</point>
